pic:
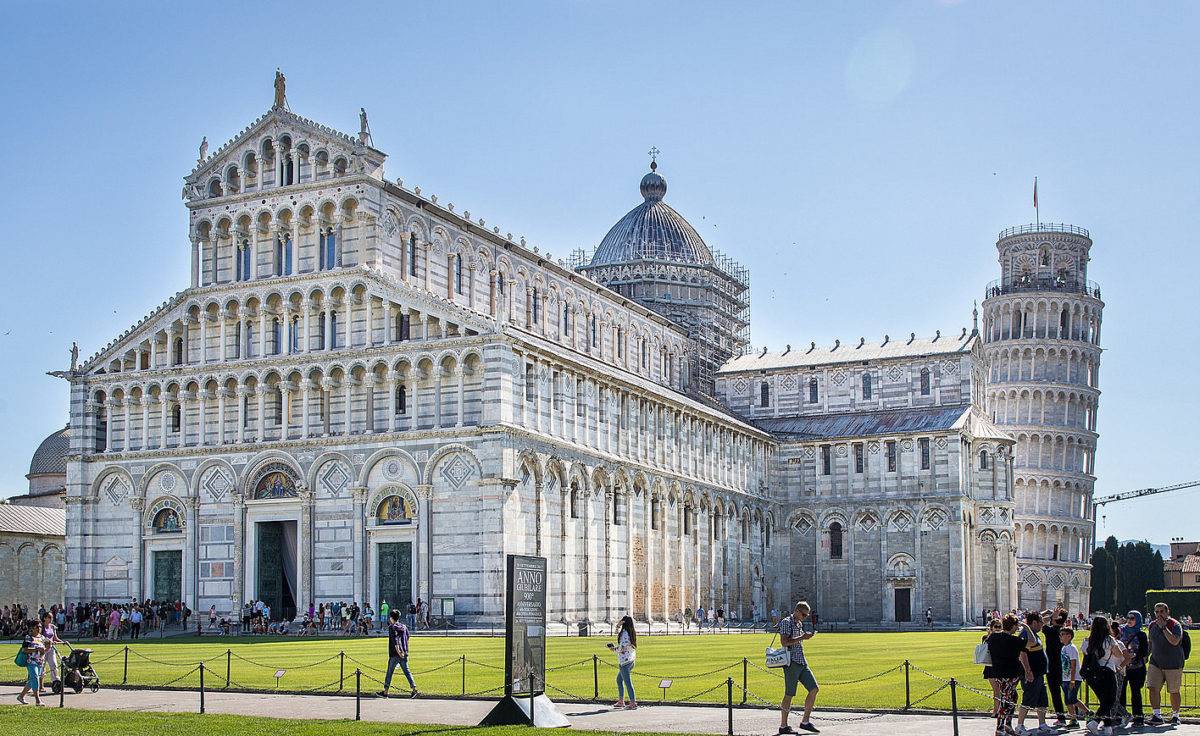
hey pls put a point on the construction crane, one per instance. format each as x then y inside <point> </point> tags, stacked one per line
<point>1126,495</point>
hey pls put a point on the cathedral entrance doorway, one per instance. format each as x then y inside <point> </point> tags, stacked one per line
<point>168,575</point>
<point>903,605</point>
<point>394,573</point>
<point>275,568</point>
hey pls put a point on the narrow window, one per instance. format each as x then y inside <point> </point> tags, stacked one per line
<point>566,321</point>
<point>1064,322</point>
<point>412,254</point>
<point>620,342</point>
<point>835,541</point>
<point>529,382</point>
<point>594,340</point>
<point>405,327</point>
<point>687,521</point>
<point>401,400</point>
<point>177,358</point>
<point>859,460</point>
<point>333,330</point>
<point>924,381</point>
<point>321,331</point>
<point>249,340</point>
<point>237,339</point>
<point>294,336</point>
<point>616,509</point>
<point>866,386</point>
<point>812,391</point>
<point>458,274</point>
<point>176,418</point>
<point>534,306</point>
<point>983,460</point>
<point>555,392</point>
<point>654,510</point>
<point>574,503</point>
<point>331,254</point>
<point>321,250</point>
<point>500,283</point>
<point>891,456</point>
<point>764,394</point>
<point>101,431</point>
<point>826,460</point>
<point>1054,554</point>
<point>924,442</point>
<point>579,405</point>
<point>276,337</point>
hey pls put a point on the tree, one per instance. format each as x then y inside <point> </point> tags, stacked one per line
<point>1101,599</point>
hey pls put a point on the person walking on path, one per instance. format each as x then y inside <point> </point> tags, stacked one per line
<point>1069,657</point>
<point>397,654</point>
<point>792,636</point>
<point>383,614</point>
<point>1166,663</point>
<point>135,622</point>
<point>929,617</point>
<point>988,671</point>
<point>1009,658</point>
<point>1138,645</point>
<point>626,649</point>
<point>34,649</point>
<point>50,637</point>
<point>1033,689</point>
<point>1120,715</point>
<point>114,623</point>
<point>1099,666</point>
<point>1051,632</point>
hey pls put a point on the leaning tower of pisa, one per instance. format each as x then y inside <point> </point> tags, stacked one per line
<point>1042,341</point>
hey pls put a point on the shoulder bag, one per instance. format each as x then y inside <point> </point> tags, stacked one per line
<point>777,657</point>
<point>983,655</point>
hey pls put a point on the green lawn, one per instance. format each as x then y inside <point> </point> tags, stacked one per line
<point>18,719</point>
<point>695,664</point>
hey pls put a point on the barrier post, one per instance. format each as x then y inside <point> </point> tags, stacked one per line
<point>201,687</point>
<point>228,665</point>
<point>341,670</point>
<point>907,688</point>
<point>464,674</point>
<point>954,703</point>
<point>595,677</point>
<point>62,681</point>
<point>729,702</point>
<point>357,694</point>
<point>531,703</point>
<point>125,677</point>
<point>745,684</point>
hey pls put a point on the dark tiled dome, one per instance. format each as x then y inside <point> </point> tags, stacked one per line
<point>51,455</point>
<point>652,231</point>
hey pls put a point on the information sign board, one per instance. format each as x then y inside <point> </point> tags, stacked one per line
<point>525,616</point>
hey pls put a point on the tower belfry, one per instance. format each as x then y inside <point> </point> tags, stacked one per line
<point>1041,333</point>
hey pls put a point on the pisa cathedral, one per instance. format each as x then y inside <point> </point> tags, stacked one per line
<point>365,394</point>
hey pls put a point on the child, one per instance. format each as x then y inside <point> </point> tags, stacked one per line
<point>1071,677</point>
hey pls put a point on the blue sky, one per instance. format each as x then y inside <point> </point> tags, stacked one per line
<point>858,157</point>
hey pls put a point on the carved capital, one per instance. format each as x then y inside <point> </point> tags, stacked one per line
<point>424,492</point>
<point>137,503</point>
<point>238,499</point>
<point>359,494</point>
<point>191,502</point>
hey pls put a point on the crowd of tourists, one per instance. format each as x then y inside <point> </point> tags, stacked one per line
<point>100,619</point>
<point>1051,656</point>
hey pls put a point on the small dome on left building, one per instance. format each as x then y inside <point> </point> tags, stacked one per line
<point>48,472</point>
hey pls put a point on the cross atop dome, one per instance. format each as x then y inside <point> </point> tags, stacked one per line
<point>654,157</point>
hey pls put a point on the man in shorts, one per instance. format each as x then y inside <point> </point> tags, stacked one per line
<point>1166,663</point>
<point>1033,686</point>
<point>397,654</point>
<point>791,635</point>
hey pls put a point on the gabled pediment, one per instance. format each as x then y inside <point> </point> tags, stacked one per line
<point>235,167</point>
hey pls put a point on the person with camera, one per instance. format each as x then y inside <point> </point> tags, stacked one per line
<point>626,649</point>
<point>791,636</point>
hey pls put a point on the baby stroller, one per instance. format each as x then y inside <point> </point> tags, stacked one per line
<point>79,671</point>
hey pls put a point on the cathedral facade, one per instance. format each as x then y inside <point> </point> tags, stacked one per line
<point>365,394</point>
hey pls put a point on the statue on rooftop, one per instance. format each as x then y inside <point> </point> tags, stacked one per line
<point>74,356</point>
<point>203,148</point>
<point>280,89</point>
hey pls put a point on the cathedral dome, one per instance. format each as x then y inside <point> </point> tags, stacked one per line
<point>652,231</point>
<point>51,456</point>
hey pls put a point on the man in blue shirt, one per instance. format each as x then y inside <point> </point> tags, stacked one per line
<point>397,653</point>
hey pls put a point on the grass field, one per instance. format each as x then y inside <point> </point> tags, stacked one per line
<point>695,664</point>
<point>18,719</point>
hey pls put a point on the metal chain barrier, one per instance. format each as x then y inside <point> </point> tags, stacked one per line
<point>704,692</point>
<point>564,692</point>
<point>167,664</point>
<point>680,677</point>
<point>918,701</point>
<point>364,664</point>
<point>864,679</point>
<point>190,672</point>
<point>481,664</point>
<point>276,667</point>
<point>565,666</point>
<point>768,670</point>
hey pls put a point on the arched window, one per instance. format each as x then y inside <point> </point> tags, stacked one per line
<point>283,256</point>
<point>412,254</point>
<point>1045,257</point>
<point>835,541</point>
<point>983,460</point>
<point>176,418</point>
<point>534,306</point>
<point>177,357</point>
<point>243,261</point>
<point>574,502</point>
<point>333,330</point>
<point>924,381</point>
<point>458,274</point>
<point>594,336</point>
<point>101,431</point>
<point>812,391</point>
<point>566,320</point>
<point>401,400</point>
<point>321,331</point>
<point>276,337</point>
<point>764,394</point>
<point>866,386</point>
<point>1064,325</point>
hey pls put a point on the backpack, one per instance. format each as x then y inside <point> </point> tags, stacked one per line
<point>1185,642</point>
<point>1089,666</point>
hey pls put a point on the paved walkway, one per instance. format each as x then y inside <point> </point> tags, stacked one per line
<point>583,716</point>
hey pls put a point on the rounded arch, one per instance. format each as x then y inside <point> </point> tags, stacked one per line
<point>447,451</point>
<point>382,455</point>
